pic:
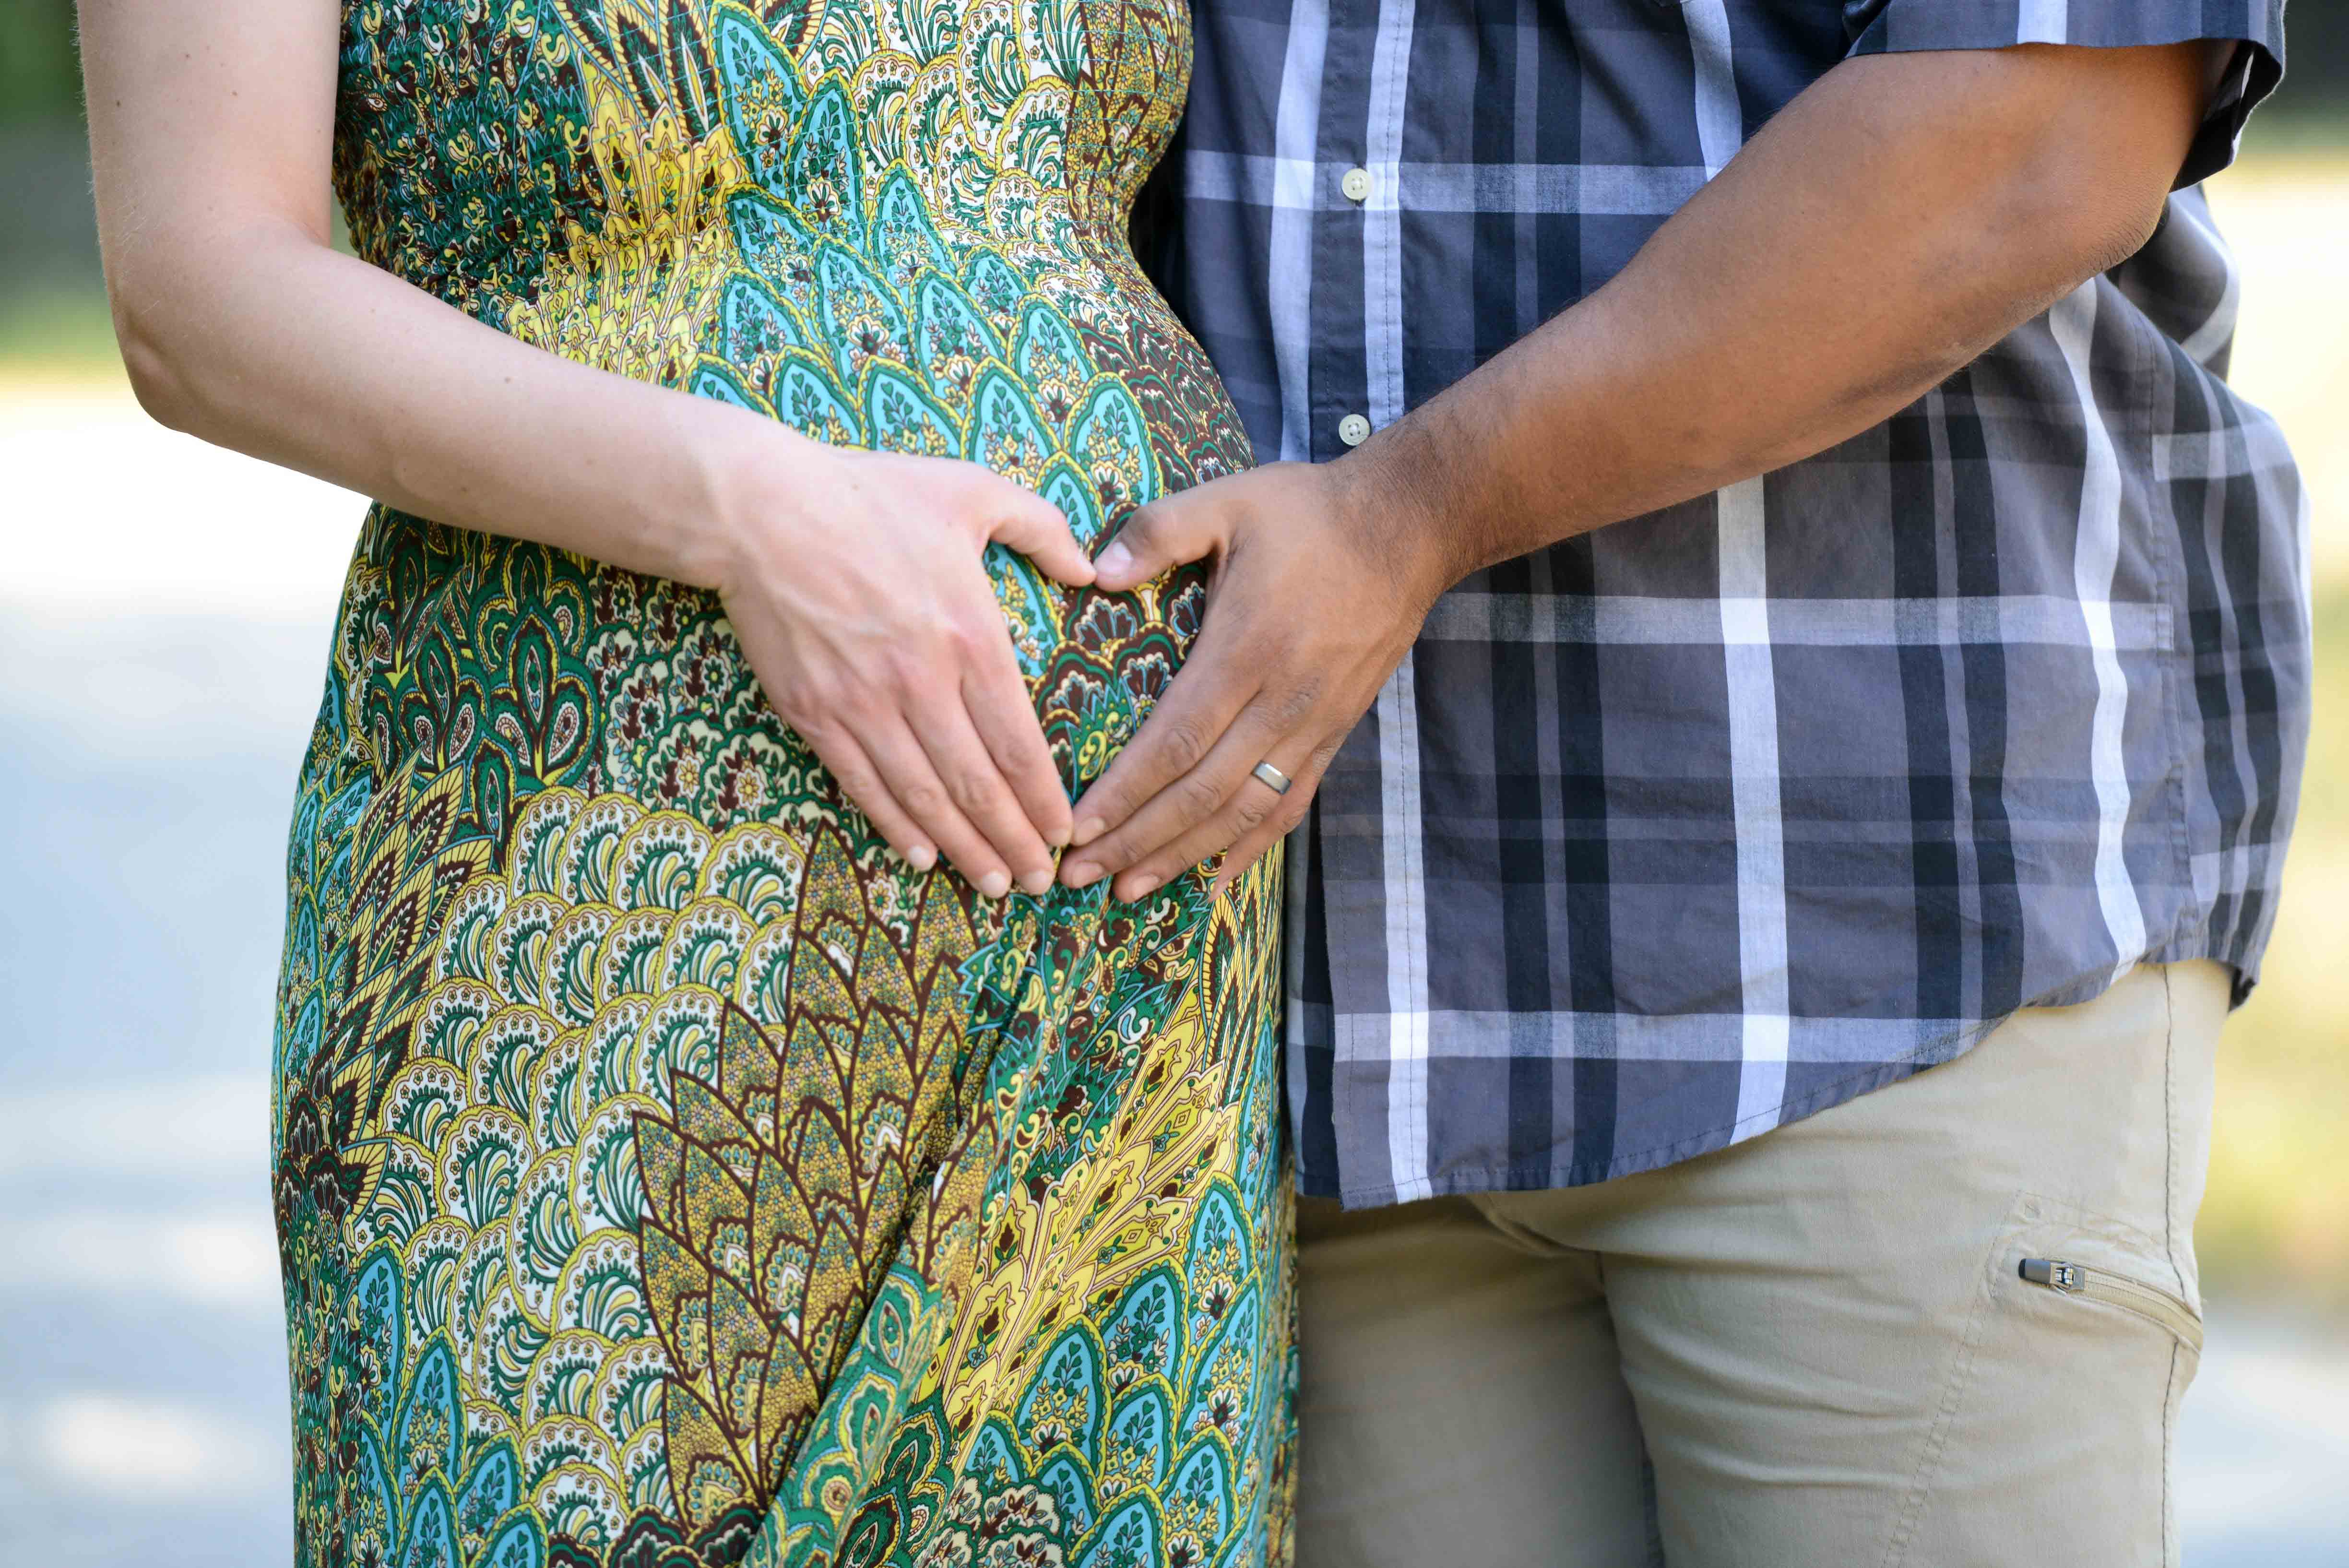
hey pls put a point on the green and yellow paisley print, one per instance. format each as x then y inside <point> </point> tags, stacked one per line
<point>666,1175</point>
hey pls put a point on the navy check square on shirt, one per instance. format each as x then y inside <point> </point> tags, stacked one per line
<point>1711,819</point>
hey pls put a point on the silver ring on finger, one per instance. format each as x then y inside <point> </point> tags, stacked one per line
<point>1272,775</point>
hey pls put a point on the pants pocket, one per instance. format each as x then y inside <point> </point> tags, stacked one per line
<point>2057,1425</point>
<point>2164,1308</point>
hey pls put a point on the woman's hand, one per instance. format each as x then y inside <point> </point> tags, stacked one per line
<point>856,586</point>
<point>853,578</point>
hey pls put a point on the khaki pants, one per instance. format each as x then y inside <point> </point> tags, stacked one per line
<point>1818,1347</point>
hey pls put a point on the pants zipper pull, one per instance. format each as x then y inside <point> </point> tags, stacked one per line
<point>2055,1273</point>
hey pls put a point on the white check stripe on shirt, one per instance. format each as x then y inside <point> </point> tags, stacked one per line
<point>1397,707</point>
<point>2096,558</point>
<point>1750,671</point>
<point>1288,280</point>
<point>1295,182</point>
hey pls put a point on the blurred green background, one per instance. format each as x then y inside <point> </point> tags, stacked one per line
<point>2277,1219</point>
<point>2274,1231</point>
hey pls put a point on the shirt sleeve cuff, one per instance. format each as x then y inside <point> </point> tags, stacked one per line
<point>1897,27</point>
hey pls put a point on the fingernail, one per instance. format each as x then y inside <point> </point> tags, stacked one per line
<point>921,857</point>
<point>1036,884</point>
<point>1089,829</point>
<point>1116,558</point>
<point>1144,886</point>
<point>1058,839</point>
<point>995,884</point>
<point>1080,873</point>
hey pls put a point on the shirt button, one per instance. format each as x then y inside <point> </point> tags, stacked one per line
<point>1354,430</point>
<point>1356,183</point>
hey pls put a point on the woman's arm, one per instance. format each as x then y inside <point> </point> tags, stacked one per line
<point>853,578</point>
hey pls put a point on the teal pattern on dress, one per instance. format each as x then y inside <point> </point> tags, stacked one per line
<point>666,1173</point>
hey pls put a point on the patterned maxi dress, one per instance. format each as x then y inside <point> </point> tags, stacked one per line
<point>666,1174</point>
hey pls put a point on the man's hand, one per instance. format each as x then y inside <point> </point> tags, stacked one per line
<point>1317,594</point>
<point>1899,217</point>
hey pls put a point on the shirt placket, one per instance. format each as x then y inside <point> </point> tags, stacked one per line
<point>1394,1025</point>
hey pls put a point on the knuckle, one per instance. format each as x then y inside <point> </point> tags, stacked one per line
<point>1293,706</point>
<point>823,735</point>
<point>1249,811</point>
<point>804,701</point>
<point>962,643</point>
<point>815,728</point>
<point>973,791</point>
<point>1198,797</point>
<point>924,799</point>
<point>1185,743</point>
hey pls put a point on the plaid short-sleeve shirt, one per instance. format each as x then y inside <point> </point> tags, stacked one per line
<point>1683,829</point>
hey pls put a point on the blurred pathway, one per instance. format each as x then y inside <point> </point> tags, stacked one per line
<point>164,610</point>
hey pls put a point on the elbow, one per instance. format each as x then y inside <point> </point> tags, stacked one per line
<point>182,323</point>
<point>2079,167</point>
<point>154,382</point>
<point>2079,215</point>
<point>163,305</point>
<point>158,374</point>
<point>2032,243</point>
<point>2105,227</point>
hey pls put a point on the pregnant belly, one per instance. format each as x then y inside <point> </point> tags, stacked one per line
<point>1041,351</point>
<point>514,668</point>
<point>529,667</point>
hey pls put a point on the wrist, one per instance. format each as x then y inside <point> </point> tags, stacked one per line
<point>1391,494</point>
<point>744,473</point>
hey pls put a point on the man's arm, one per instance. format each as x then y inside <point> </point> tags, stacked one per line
<point>1892,223</point>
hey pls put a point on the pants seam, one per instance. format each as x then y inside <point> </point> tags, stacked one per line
<point>1517,1233</point>
<point>1650,1492</point>
<point>2170,1130</point>
<point>2169,1423</point>
<point>1912,1507</point>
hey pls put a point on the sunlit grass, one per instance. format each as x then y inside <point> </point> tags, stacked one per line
<point>57,332</point>
<point>2276,1219</point>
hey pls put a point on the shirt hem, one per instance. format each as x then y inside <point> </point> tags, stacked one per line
<point>1933,1053</point>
